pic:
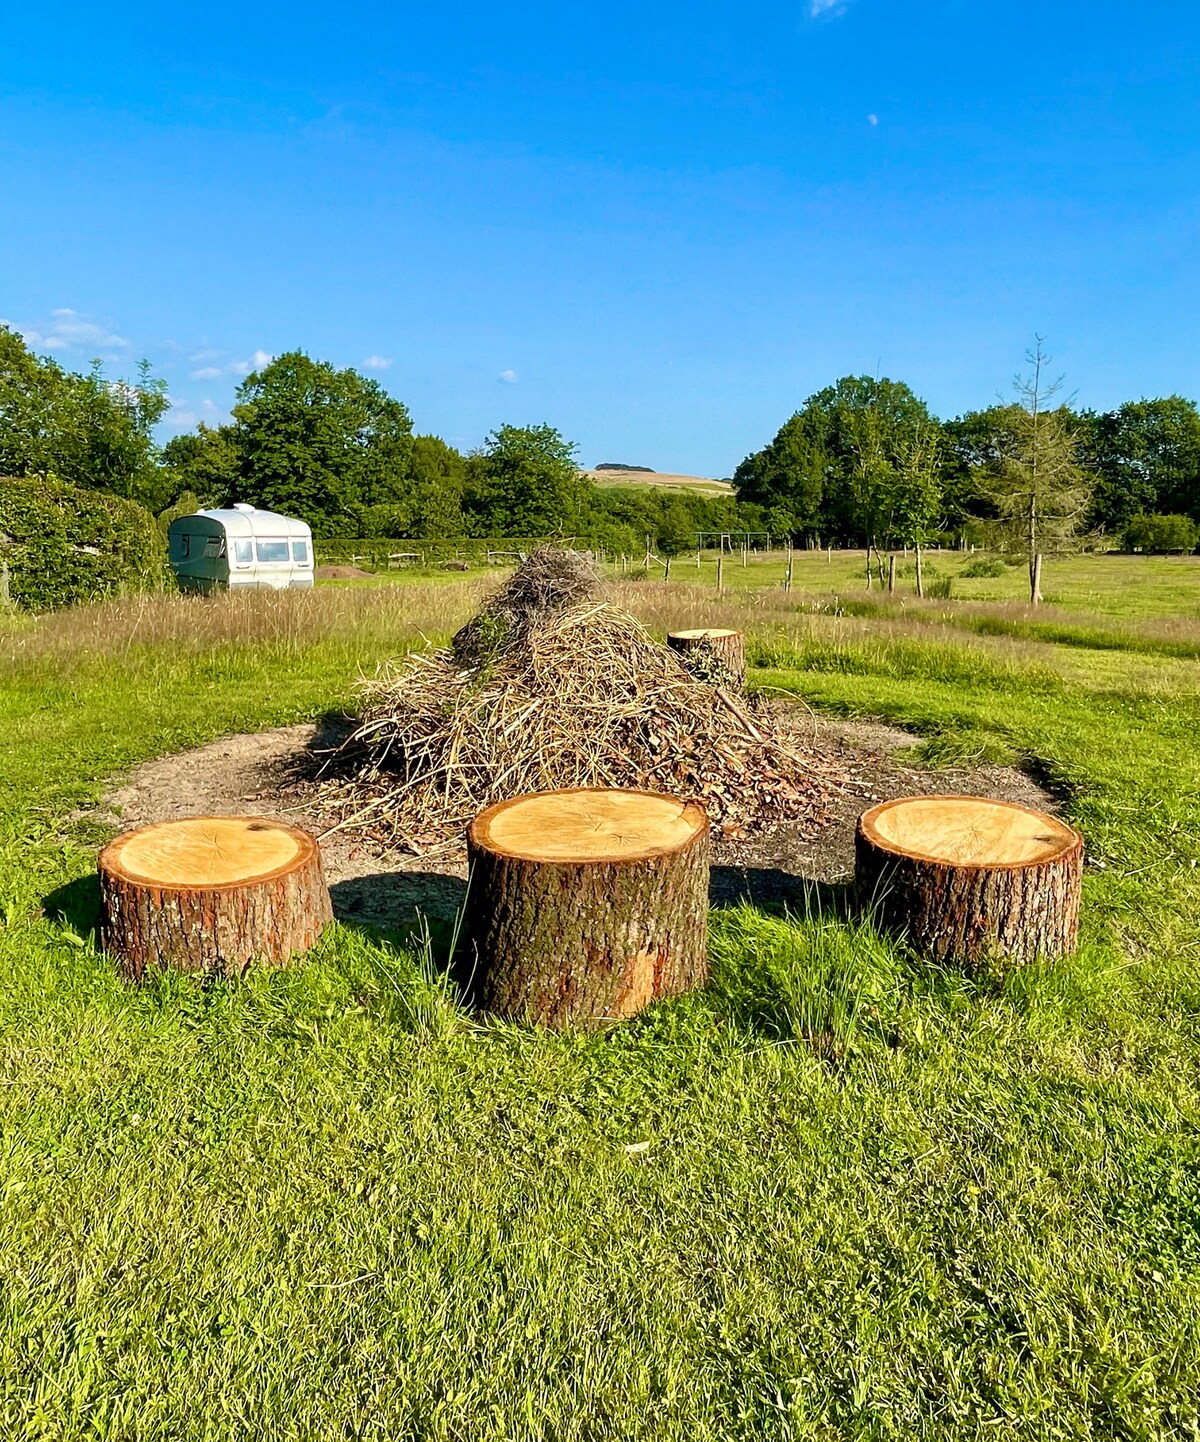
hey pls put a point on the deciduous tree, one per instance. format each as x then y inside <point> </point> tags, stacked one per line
<point>85,429</point>
<point>320,443</point>
<point>1035,482</point>
<point>1146,458</point>
<point>524,482</point>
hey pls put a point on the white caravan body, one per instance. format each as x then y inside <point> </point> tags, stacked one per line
<point>240,547</point>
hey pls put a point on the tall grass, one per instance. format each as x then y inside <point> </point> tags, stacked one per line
<point>285,621</point>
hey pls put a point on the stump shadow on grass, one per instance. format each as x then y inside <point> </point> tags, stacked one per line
<point>76,905</point>
<point>775,891</point>
<point>409,910</point>
<point>406,908</point>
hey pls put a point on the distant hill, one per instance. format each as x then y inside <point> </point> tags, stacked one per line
<point>640,476</point>
<point>620,466</point>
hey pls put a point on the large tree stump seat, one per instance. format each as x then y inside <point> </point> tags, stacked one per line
<point>712,655</point>
<point>211,894</point>
<point>972,879</point>
<point>584,906</point>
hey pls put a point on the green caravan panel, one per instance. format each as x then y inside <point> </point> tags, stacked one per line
<point>198,547</point>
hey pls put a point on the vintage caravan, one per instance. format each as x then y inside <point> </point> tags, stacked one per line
<point>240,547</point>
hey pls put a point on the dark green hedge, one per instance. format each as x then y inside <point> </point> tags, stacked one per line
<point>63,545</point>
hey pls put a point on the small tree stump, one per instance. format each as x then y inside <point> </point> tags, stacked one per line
<point>715,656</point>
<point>971,879</point>
<point>585,906</point>
<point>211,894</point>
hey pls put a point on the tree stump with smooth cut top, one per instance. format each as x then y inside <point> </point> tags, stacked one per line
<point>211,894</point>
<point>585,906</point>
<point>712,655</point>
<point>972,880</point>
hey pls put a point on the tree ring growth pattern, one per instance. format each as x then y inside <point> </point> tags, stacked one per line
<point>212,894</point>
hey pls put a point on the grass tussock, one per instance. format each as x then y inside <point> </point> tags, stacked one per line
<point>821,977</point>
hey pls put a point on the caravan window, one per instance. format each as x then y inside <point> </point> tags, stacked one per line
<point>243,552</point>
<point>185,545</point>
<point>214,546</point>
<point>272,550</point>
<point>300,552</point>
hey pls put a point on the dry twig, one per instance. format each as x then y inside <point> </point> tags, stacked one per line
<point>564,691</point>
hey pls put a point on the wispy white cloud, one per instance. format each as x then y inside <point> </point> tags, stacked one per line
<point>184,417</point>
<point>872,119</point>
<point>67,330</point>
<point>510,378</point>
<point>214,372</point>
<point>817,8</point>
<point>378,363</point>
<point>257,361</point>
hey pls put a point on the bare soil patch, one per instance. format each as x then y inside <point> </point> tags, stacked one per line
<point>266,774</point>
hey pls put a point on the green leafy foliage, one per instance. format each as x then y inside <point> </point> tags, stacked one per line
<point>1162,534</point>
<point>831,467</point>
<point>862,461</point>
<point>319,443</point>
<point>788,475</point>
<point>524,481</point>
<point>87,430</point>
<point>205,463</point>
<point>1145,456</point>
<point>1036,484</point>
<point>438,480</point>
<point>983,568</point>
<point>64,545</point>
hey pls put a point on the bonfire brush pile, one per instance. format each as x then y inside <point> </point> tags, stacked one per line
<point>548,687</point>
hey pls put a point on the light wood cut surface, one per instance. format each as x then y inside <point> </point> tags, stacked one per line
<point>588,826</point>
<point>211,894</point>
<point>968,831</point>
<point>205,851</point>
<point>708,634</point>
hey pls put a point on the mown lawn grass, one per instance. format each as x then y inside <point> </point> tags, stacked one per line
<point>835,1194</point>
<point>1127,589</point>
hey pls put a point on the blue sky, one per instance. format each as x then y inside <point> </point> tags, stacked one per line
<point>656,227</point>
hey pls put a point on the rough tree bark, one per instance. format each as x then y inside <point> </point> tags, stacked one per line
<point>211,894</point>
<point>585,906</point>
<point>712,655</point>
<point>971,880</point>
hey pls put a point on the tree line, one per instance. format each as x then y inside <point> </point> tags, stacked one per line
<point>863,462</point>
<point>333,448</point>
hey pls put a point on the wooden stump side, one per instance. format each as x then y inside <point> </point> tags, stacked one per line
<point>579,941</point>
<point>980,910</point>
<point>715,656</point>
<point>209,909</point>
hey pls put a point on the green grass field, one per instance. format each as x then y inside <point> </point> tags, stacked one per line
<point>331,1203</point>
